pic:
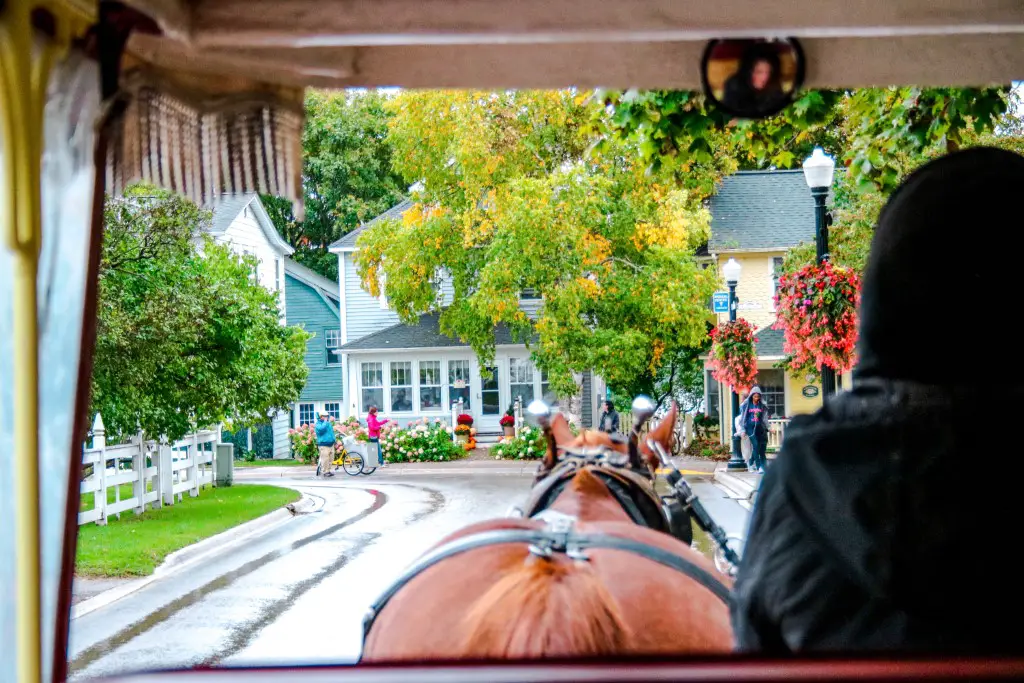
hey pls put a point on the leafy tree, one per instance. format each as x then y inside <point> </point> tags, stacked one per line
<point>186,337</point>
<point>872,128</point>
<point>512,200</point>
<point>346,174</point>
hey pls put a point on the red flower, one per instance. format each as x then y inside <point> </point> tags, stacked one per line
<point>817,313</point>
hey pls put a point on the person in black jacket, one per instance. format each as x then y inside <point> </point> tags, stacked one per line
<point>873,530</point>
<point>609,422</point>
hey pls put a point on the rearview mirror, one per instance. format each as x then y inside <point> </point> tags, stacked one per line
<point>752,78</point>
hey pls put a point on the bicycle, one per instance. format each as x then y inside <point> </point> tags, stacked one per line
<point>351,462</point>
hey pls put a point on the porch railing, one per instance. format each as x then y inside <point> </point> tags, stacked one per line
<point>776,431</point>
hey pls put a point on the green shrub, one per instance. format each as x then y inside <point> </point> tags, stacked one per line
<point>529,445</point>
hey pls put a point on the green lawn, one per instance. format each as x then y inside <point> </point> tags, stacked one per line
<point>136,545</point>
<point>269,463</point>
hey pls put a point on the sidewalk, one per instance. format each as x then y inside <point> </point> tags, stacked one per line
<point>740,485</point>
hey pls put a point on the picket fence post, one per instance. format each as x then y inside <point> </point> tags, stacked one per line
<point>99,441</point>
<point>139,468</point>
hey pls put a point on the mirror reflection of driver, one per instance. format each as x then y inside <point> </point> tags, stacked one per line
<point>756,85</point>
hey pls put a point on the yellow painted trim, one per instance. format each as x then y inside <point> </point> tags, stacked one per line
<point>26,60</point>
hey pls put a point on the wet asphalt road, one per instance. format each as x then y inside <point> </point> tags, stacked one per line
<point>298,592</point>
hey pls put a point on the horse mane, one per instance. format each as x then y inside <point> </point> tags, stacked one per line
<point>545,608</point>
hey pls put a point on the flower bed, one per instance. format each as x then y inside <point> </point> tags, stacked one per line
<point>733,361</point>
<point>529,445</point>
<point>303,438</point>
<point>817,312</point>
<point>422,440</point>
<point>709,449</point>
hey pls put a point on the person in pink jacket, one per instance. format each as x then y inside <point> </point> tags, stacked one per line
<point>373,426</point>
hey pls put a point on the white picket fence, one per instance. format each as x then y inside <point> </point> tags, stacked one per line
<point>159,473</point>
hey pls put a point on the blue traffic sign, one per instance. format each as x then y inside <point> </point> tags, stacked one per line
<point>720,301</point>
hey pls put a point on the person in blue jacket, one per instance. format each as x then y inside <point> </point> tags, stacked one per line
<point>325,442</point>
<point>754,420</point>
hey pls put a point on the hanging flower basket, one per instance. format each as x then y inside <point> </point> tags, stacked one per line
<point>733,361</point>
<point>817,312</point>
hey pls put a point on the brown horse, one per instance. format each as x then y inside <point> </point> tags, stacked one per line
<point>589,572</point>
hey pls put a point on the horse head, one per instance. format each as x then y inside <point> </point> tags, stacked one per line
<point>562,442</point>
<point>592,469</point>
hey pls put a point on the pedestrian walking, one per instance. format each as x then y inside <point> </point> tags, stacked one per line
<point>324,428</point>
<point>754,423</point>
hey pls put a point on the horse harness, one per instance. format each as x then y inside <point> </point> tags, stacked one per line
<point>559,535</point>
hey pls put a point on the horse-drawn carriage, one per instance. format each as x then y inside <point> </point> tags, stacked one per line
<point>205,98</point>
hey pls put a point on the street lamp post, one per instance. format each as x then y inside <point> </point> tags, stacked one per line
<point>818,171</point>
<point>731,271</point>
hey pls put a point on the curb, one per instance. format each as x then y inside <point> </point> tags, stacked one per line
<point>234,534</point>
<point>737,486</point>
<point>192,554</point>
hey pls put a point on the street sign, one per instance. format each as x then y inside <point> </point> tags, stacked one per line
<point>720,301</point>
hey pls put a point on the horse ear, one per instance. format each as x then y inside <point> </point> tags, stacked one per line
<point>560,429</point>
<point>664,433</point>
<point>557,432</point>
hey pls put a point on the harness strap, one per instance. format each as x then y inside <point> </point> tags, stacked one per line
<point>556,541</point>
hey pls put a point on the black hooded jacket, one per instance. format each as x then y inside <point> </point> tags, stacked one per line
<point>876,529</point>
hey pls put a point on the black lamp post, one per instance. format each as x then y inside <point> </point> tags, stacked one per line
<point>731,272</point>
<point>818,172</point>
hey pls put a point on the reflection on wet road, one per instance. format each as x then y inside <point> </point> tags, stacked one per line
<point>296,593</point>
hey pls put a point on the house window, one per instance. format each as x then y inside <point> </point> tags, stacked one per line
<point>305,413</point>
<point>529,294</point>
<point>714,392</point>
<point>773,392</point>
<point>776,274</point>
<point>332,339</point>
<point>458,382</point>
<point>333,408</point>
<point>401,387</point>
<point>545,386</point>
<point>430,385</point>
<point>520,383</point>
<point>373,385</point>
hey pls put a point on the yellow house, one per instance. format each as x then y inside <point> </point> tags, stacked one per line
<point>756,217</point>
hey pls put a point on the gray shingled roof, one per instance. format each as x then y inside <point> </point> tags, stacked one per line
<point>349,241</point>
<point>761,210</point>
<point>425,334</point>
<point>227,208</point>
<point>769,342</point>
<point>311,278</point>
